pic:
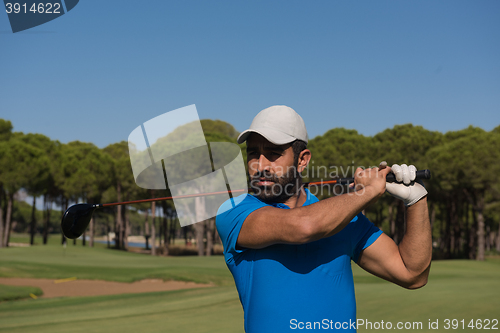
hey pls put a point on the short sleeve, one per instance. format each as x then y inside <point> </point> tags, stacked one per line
<point>364,233</point>
<point>230,218</point>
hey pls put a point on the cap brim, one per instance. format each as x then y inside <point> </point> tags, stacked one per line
<point>271,135</point>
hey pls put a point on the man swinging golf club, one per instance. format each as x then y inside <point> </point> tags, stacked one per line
<point>290,254</point>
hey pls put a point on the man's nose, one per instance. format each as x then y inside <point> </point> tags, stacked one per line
<point>264,164</point>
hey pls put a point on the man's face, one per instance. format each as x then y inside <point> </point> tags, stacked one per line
<point>273,175</point>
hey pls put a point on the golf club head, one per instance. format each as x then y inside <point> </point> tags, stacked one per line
<point>76,219</point>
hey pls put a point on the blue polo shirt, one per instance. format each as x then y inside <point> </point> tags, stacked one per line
<point>285,288</point>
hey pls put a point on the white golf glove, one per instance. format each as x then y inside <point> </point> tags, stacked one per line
<point>406,189</point>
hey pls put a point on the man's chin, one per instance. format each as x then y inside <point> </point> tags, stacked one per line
<point>262,192</point>
<point>266,193</point>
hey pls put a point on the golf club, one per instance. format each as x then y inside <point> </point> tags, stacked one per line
<point>77,217</point>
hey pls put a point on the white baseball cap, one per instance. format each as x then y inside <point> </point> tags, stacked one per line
<point>279,124</point>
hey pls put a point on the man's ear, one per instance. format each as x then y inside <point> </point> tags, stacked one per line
<point>304,159</point>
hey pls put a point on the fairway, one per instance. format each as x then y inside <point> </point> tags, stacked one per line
<point>57,262</point>
<point>456,290</point>
<point>214,310</point>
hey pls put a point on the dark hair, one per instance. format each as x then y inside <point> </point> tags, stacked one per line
<point>298,146</point>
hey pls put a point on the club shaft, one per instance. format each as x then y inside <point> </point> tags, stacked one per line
<point>169,198</point>
<point>421,174</point>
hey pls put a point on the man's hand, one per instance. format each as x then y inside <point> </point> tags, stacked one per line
<point>371,180</point>
<point>406,188</point>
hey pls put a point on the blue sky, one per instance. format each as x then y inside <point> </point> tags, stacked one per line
<point>104,68</point>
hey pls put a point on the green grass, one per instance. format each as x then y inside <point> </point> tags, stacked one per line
<point>57,262</point>
<point>456,290</point>
<point>9,293</point>
<point>198,310</point>
<point>54,239</point>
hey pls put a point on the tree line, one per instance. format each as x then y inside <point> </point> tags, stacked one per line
<point>464,192</point>
<point>65,174</point>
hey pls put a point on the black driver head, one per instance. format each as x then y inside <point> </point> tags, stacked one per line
<point>76,219</point>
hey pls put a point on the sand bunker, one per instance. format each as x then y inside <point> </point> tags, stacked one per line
<point>56,288</point>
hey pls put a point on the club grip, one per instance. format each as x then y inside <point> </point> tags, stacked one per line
<point>420,174</point>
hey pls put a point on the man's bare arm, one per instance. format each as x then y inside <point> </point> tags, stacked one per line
<point>269,225</point>
<point>409,263</point>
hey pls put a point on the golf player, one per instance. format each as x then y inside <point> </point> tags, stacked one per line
<point>290,254</point>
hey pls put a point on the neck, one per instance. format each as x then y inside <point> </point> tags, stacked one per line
<point>298,199</point>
